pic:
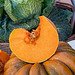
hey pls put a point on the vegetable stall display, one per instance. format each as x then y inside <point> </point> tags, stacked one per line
<point>40,53</point>
<point>25,14</point>
<point>35,31</point>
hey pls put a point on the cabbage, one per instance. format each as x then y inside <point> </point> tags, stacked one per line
<point>26,13</point>
<point>22,14</point>
<point>27,9</point>
<point>22,9</point>
<point>1,8</point>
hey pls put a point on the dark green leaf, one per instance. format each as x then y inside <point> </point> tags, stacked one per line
<point>47,7</point>
<point>1,8</point>
<point>7,26</point>
<point>61,19</point>
<point>18,10</point>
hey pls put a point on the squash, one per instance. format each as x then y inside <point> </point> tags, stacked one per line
<point>61,63</point>
<point>4,57</point>
<point>37,46</point>
<point>13,67</point>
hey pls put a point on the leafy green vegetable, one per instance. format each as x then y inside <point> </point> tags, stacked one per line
<point>22,9</point>
<point>47,7</point>
<point>26,9</point>
<point>1,8</point>
<point>61,19</point>
<point>7,26</point>
<point>26,14</point>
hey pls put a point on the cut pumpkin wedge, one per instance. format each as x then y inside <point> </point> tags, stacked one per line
<point>37,46</point>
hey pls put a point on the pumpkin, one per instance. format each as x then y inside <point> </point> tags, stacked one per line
<point>37,46</point>
<point>61,63</point>
<point>4,57</point>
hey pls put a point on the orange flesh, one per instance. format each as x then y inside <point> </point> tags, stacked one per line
<point>40,49</point>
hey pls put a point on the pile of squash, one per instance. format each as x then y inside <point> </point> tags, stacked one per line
<point>39,52</point>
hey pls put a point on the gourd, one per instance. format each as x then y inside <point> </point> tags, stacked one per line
<point>36,46</point>
<point>61,63</point>
<point>4,57</point>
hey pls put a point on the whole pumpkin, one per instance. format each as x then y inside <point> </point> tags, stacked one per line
<point>61,63</point>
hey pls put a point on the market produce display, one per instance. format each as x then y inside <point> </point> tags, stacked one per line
<point>36,33</point>
<point>61,63</point>
<point>25,14</point>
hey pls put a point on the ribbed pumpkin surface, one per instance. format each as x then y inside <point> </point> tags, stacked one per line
<point>61,63</point>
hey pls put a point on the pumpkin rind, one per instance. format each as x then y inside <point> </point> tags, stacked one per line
<point>58,68</point>
<point>10,62</point>
<point>64,47</point>
<point>37,69</point>
<point>14,68</point>
<point>67,58</point>
<point>24,70</point>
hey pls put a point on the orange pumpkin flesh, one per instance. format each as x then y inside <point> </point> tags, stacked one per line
<point>37,46</point>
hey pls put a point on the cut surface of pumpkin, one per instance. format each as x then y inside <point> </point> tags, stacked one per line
<point>37,46</point>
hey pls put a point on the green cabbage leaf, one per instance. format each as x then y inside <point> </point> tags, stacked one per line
<point>26,9</point>
<point>7,26</point>
<point>1,8</point>
<point>61,18</point>
<point>25,14</point>
<point>22,9</point>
